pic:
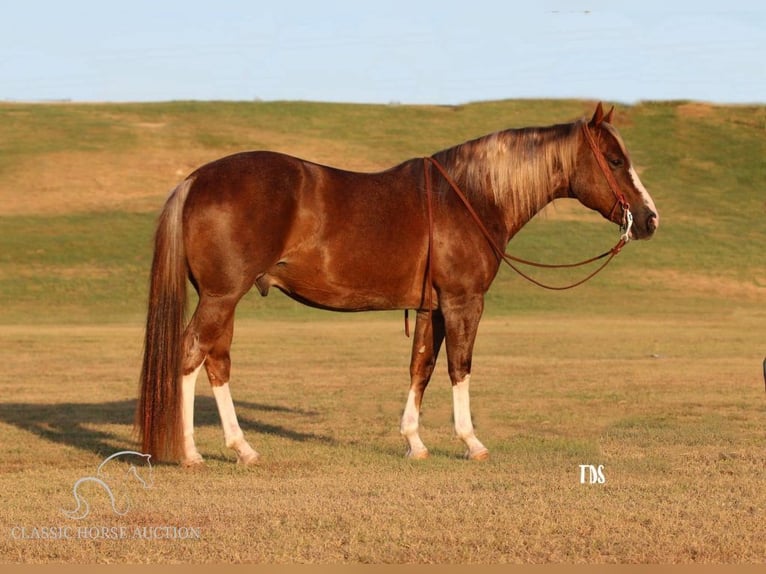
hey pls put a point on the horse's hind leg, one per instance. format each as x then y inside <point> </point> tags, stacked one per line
<point>425,349</point>
<point>208,340</point>
<point>191,456</point>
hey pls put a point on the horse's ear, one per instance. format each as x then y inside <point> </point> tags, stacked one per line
<point>598,116</point>
<point>608,116</point>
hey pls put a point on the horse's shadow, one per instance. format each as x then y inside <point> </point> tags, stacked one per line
<point>81,425</point>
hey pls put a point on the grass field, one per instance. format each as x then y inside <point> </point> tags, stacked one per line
<point>652,370</point>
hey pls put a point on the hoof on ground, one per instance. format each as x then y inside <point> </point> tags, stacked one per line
<point>417,454</point>
<point>193,463</point>
<point>478,455</point>
<point>249,459</point>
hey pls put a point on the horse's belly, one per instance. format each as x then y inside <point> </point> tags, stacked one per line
<point>355,288</point>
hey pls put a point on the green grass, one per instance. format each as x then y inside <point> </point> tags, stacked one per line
<point>78,268</point>
<point>87,258</point>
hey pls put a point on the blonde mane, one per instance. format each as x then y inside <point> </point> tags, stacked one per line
<point>518,169</point>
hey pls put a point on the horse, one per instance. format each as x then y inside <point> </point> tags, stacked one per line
<point>425,235</point>
<point>103,479</point>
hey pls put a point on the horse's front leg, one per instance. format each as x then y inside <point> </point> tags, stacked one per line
<point>461,323</point>
<point>426,343</point>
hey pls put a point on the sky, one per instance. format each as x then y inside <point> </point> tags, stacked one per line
<point>389,51</point>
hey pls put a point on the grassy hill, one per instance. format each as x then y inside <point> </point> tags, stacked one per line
<point>81,185</point>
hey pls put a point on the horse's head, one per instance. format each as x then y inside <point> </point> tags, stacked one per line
<point>606,181</point>
<point>140,467</point>
<point>143,470</point>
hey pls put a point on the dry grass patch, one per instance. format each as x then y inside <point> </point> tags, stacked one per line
<point>680,438</point>
<point>81,181</point>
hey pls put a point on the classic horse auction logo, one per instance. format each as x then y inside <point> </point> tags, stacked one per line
<point>111,479</point>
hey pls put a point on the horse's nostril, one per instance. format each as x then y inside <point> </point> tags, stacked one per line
<point>652,222</point>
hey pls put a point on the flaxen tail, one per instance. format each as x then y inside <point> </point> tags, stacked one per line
<point>158,417</point>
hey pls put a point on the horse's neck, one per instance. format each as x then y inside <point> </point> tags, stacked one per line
<point>511,176</point>
<point>515,221</point>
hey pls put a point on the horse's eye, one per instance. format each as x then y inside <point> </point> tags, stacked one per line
<point>616,162</point>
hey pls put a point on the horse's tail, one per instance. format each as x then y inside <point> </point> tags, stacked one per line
<point>158,416</point>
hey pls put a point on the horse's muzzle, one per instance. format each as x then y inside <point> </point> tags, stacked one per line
<point>644,229</point>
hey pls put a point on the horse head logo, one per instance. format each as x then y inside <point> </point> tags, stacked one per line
<point>111,479</point>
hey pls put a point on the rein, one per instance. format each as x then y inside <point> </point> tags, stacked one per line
<point>511,260</point>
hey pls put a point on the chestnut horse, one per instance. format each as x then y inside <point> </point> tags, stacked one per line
<point>348,241</point>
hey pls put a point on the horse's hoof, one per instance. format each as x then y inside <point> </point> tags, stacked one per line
<point>417,455</point>
<point>482,454</point>
<point>193,463</point>
<point>248,459</point>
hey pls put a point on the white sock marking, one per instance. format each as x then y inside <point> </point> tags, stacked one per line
<point>463,425</point>
<point>409,428</point>
<point>232,433</point>
<point>188,383</point>
<point>462,408</point>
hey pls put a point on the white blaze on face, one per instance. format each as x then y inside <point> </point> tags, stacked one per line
<point>648,202</point>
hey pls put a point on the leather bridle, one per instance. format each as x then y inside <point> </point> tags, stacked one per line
<point>621,202</point>
<point>511,260</point>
